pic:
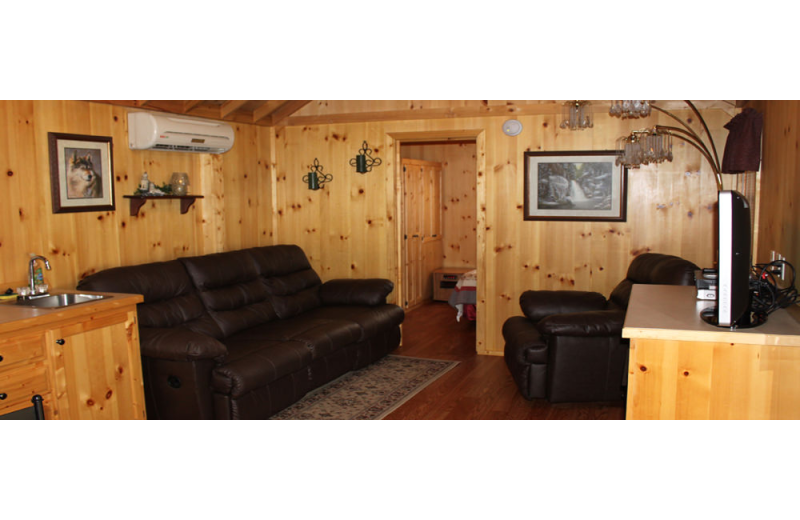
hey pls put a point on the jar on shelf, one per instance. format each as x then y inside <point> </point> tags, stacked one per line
<point>179,183</point>
<point>144,183</point>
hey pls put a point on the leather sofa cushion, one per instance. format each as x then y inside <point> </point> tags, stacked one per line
<point>292,284</point>
<point>170,299</point>
<point>255,362</point>
<point>320,336</point>
<point>371,320</point>
<point>586,324</point>
<point>523,341</point>
<point>231,289</point>
<point>370,291</point>
<point>653,268</point>
<point>279,260</point>
<point>540,304</point>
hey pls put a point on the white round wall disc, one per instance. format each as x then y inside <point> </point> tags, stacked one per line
<point>512,127</point>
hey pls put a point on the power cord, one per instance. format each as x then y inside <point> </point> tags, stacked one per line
<point>766,296</point>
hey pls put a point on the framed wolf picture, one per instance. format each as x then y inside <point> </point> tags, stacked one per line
<point>584,185</point>
<point>81,173</point>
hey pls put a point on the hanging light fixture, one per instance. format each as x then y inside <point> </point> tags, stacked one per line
<point>644,147</point>
<point>315,178</point>
<point>630,109</point>
<point>364,161</point>
<point>654,145</point>
<point>575,115</point>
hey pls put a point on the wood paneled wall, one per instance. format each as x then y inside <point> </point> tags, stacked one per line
<point>236,210</point>
<point>349,227</point>
<point>255,196</point>
<point>779,215</point>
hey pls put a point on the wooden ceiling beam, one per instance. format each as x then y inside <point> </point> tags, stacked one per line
<point>262,113</point>
<point>229,107</point>
<point>280,115</point>
<point>280,112</point>
<point>188,106</point>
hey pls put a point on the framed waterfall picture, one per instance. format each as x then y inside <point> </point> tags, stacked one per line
<point>579,186</point>
<point>81,172</point>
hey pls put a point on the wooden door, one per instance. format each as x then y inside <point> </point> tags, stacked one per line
<point>422,242</point>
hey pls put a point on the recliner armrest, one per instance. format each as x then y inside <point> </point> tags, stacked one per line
<point>537,305</point>
<point>347,291</point>
<point>586,324</point>
<point>178,344</point>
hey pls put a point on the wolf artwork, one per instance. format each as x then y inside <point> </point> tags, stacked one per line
<point>83,182</point>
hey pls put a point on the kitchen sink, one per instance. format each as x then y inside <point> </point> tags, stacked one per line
<point>55,301</point>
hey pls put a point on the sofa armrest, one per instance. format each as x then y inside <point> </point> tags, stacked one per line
<point>537,305</point>
<point>177,344</point>
<point>586,324</point>
<point>346,291</point>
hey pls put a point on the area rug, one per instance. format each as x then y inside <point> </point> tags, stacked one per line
<point>373,392</point>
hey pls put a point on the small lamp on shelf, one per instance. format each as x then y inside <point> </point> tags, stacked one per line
<point>179,183</point>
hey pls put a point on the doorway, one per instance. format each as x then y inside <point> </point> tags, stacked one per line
<point>439,224</point>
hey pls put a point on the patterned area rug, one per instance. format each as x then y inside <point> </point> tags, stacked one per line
<point>370,393</point>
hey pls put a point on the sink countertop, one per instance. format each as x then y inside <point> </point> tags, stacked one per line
<point>14,317</point>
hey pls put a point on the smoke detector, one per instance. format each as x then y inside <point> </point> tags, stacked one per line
<point>512,127</point>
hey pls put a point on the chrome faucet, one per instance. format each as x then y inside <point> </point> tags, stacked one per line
<point>31,276</point>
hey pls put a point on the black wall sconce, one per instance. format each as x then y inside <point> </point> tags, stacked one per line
<point>364,161</point>
<point>315,177</point>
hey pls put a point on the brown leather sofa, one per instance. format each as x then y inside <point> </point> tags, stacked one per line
<point>244,334</point>
<point>569,348</point>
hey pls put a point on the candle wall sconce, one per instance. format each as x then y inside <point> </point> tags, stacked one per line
<point>315,178</point>
<point>364,161</point>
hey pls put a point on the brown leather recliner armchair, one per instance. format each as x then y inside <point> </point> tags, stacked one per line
<point>569,348</point>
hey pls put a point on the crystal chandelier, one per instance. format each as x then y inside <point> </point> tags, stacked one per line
<point>644,147</point>
<point>630,109</point>
<point>654,145</point>
<point>575,115</point>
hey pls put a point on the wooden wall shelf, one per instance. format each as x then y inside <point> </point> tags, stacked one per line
<point>137,201</point>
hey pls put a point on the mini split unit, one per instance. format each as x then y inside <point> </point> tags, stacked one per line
<point>148,131</point>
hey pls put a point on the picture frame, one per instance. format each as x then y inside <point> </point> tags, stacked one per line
<point>81,172</point>
<point>575,186</point>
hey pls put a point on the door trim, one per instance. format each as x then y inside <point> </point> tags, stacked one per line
<point>393,140</point>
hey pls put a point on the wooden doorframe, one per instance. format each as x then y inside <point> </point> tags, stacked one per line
<point>393,141</point>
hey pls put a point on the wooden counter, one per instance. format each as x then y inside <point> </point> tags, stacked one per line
<point>683,368</point>
<point>83,359</point>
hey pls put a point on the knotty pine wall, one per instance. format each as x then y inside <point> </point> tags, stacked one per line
<point>235,213</point>
<point>349,227</point>
<point>255,196</point>
<point>779,217</point>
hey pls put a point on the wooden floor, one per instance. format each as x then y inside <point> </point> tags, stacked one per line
<point>480,387</point>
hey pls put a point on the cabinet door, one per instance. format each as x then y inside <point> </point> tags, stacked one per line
<point>23,372</point>
<point>96,369</point>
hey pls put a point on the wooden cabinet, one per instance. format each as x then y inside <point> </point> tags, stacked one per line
<point>84,361</point>
<point>23,373</point>
<point>683,368</point>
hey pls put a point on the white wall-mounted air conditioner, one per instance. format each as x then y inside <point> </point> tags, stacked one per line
<point>149,131</point>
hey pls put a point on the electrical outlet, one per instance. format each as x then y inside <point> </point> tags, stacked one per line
<point>780,269</point>
<point>783,268</point>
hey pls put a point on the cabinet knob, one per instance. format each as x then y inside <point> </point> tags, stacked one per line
<point>3,396</point>
<point>1,359</point>
<point>60,341</point>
